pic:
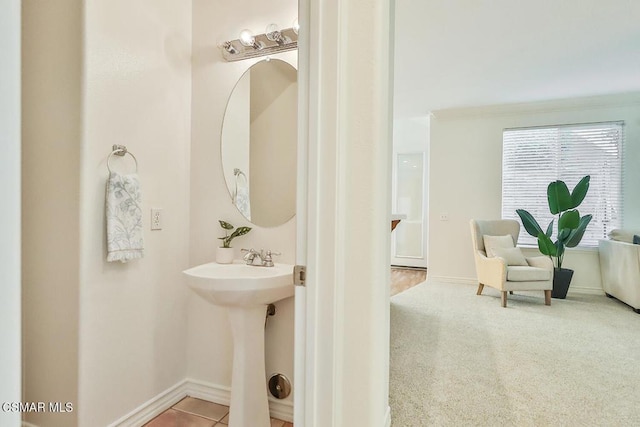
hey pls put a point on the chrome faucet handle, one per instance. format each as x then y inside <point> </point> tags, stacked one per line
<point>251,254</point>
<point>268,260</point>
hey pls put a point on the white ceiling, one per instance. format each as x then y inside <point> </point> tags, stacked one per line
<point>455,53</point>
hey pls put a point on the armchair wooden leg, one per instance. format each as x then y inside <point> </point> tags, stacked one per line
<point>547,297</point>
<point>504,298</point>
<point>480,288</point>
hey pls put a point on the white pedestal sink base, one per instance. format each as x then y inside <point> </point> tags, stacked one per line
<point>245,291</point>
<point>249,402</point>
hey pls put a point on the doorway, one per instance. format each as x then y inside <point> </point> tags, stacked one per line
<point>409,197</point>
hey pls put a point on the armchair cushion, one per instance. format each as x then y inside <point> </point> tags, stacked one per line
<point>527,274</point>
<point>491,242</point>
<point>513,256</point>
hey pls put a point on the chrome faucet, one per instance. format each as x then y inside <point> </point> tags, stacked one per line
<point>259,259</point>
<point>250,257</point>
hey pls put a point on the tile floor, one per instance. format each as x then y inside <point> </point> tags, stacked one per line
<point>192,412</point>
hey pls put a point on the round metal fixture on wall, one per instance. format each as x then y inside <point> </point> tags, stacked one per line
<point>279,386</point>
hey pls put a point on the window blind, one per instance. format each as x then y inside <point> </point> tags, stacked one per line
<point>534,157</point>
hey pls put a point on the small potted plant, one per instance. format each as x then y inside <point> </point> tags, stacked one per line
<point>224,254</point>
<point>571,228</point>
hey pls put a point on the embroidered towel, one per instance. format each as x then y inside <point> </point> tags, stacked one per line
<point>124,218</point>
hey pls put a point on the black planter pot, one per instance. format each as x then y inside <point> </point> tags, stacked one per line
<point>561,281</point>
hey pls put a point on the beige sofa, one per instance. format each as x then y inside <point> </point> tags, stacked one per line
<point>620,268</point>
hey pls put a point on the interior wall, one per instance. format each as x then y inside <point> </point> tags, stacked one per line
<point>10,311</point>
<point>210,347</point>
<point>105,337</point>
<point>51,146</point>
<point>137,93</point>
<point>466,179</point>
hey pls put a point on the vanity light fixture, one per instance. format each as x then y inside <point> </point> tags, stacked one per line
<point>227,46</point>
<point>248,39</point>
<point>272,33</point>
<point>271,42</point>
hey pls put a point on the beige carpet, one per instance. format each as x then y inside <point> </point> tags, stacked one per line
<point>461,359</point>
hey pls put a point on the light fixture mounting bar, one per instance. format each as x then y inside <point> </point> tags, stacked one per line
<point>270,47</point>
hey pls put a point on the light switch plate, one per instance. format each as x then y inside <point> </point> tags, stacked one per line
<point>156,219</point>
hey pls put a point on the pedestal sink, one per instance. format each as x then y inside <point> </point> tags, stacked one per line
<point>245,291</point>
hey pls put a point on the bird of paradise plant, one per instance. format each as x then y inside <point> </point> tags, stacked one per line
<point>571,226</point>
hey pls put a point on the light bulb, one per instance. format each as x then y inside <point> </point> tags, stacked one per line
<point>272,32</point>
<point>247,38</point>
<point>275,35</point>
<point>296,26</point>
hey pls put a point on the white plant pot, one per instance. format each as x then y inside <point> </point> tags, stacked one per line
<point>224,255</point>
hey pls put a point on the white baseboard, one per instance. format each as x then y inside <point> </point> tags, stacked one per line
<point>471,281</point>
<point>582,290</point>
<point>215,393</point>
<point>449,279</point>
<point>208,391</point>
<point>153,407</point>
<point>281,409</point>
<point>387,417</point>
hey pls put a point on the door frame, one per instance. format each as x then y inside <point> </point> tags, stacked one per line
<point>345,103</point>
<point>10,259</point>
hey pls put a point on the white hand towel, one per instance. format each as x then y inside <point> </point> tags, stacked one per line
<point>242,200</point>
<point>124,218</point>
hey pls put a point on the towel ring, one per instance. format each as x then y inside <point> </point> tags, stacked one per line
<point>120,150</point>
<point>236,173</point>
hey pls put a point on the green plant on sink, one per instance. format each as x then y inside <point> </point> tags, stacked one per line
<point>571,227</point>
<point>226,240</point>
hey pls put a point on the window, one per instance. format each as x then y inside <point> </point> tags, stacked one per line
<point>534,157</point>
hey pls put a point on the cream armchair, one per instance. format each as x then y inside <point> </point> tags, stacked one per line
<point>534,274</point>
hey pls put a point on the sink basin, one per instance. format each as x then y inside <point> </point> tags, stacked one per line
<point>245,291</point>
<point>239,284</point>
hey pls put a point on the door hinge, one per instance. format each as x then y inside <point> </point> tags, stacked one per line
<point>299,275</point>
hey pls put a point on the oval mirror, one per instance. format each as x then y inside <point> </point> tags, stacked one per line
<point>259,135</point>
